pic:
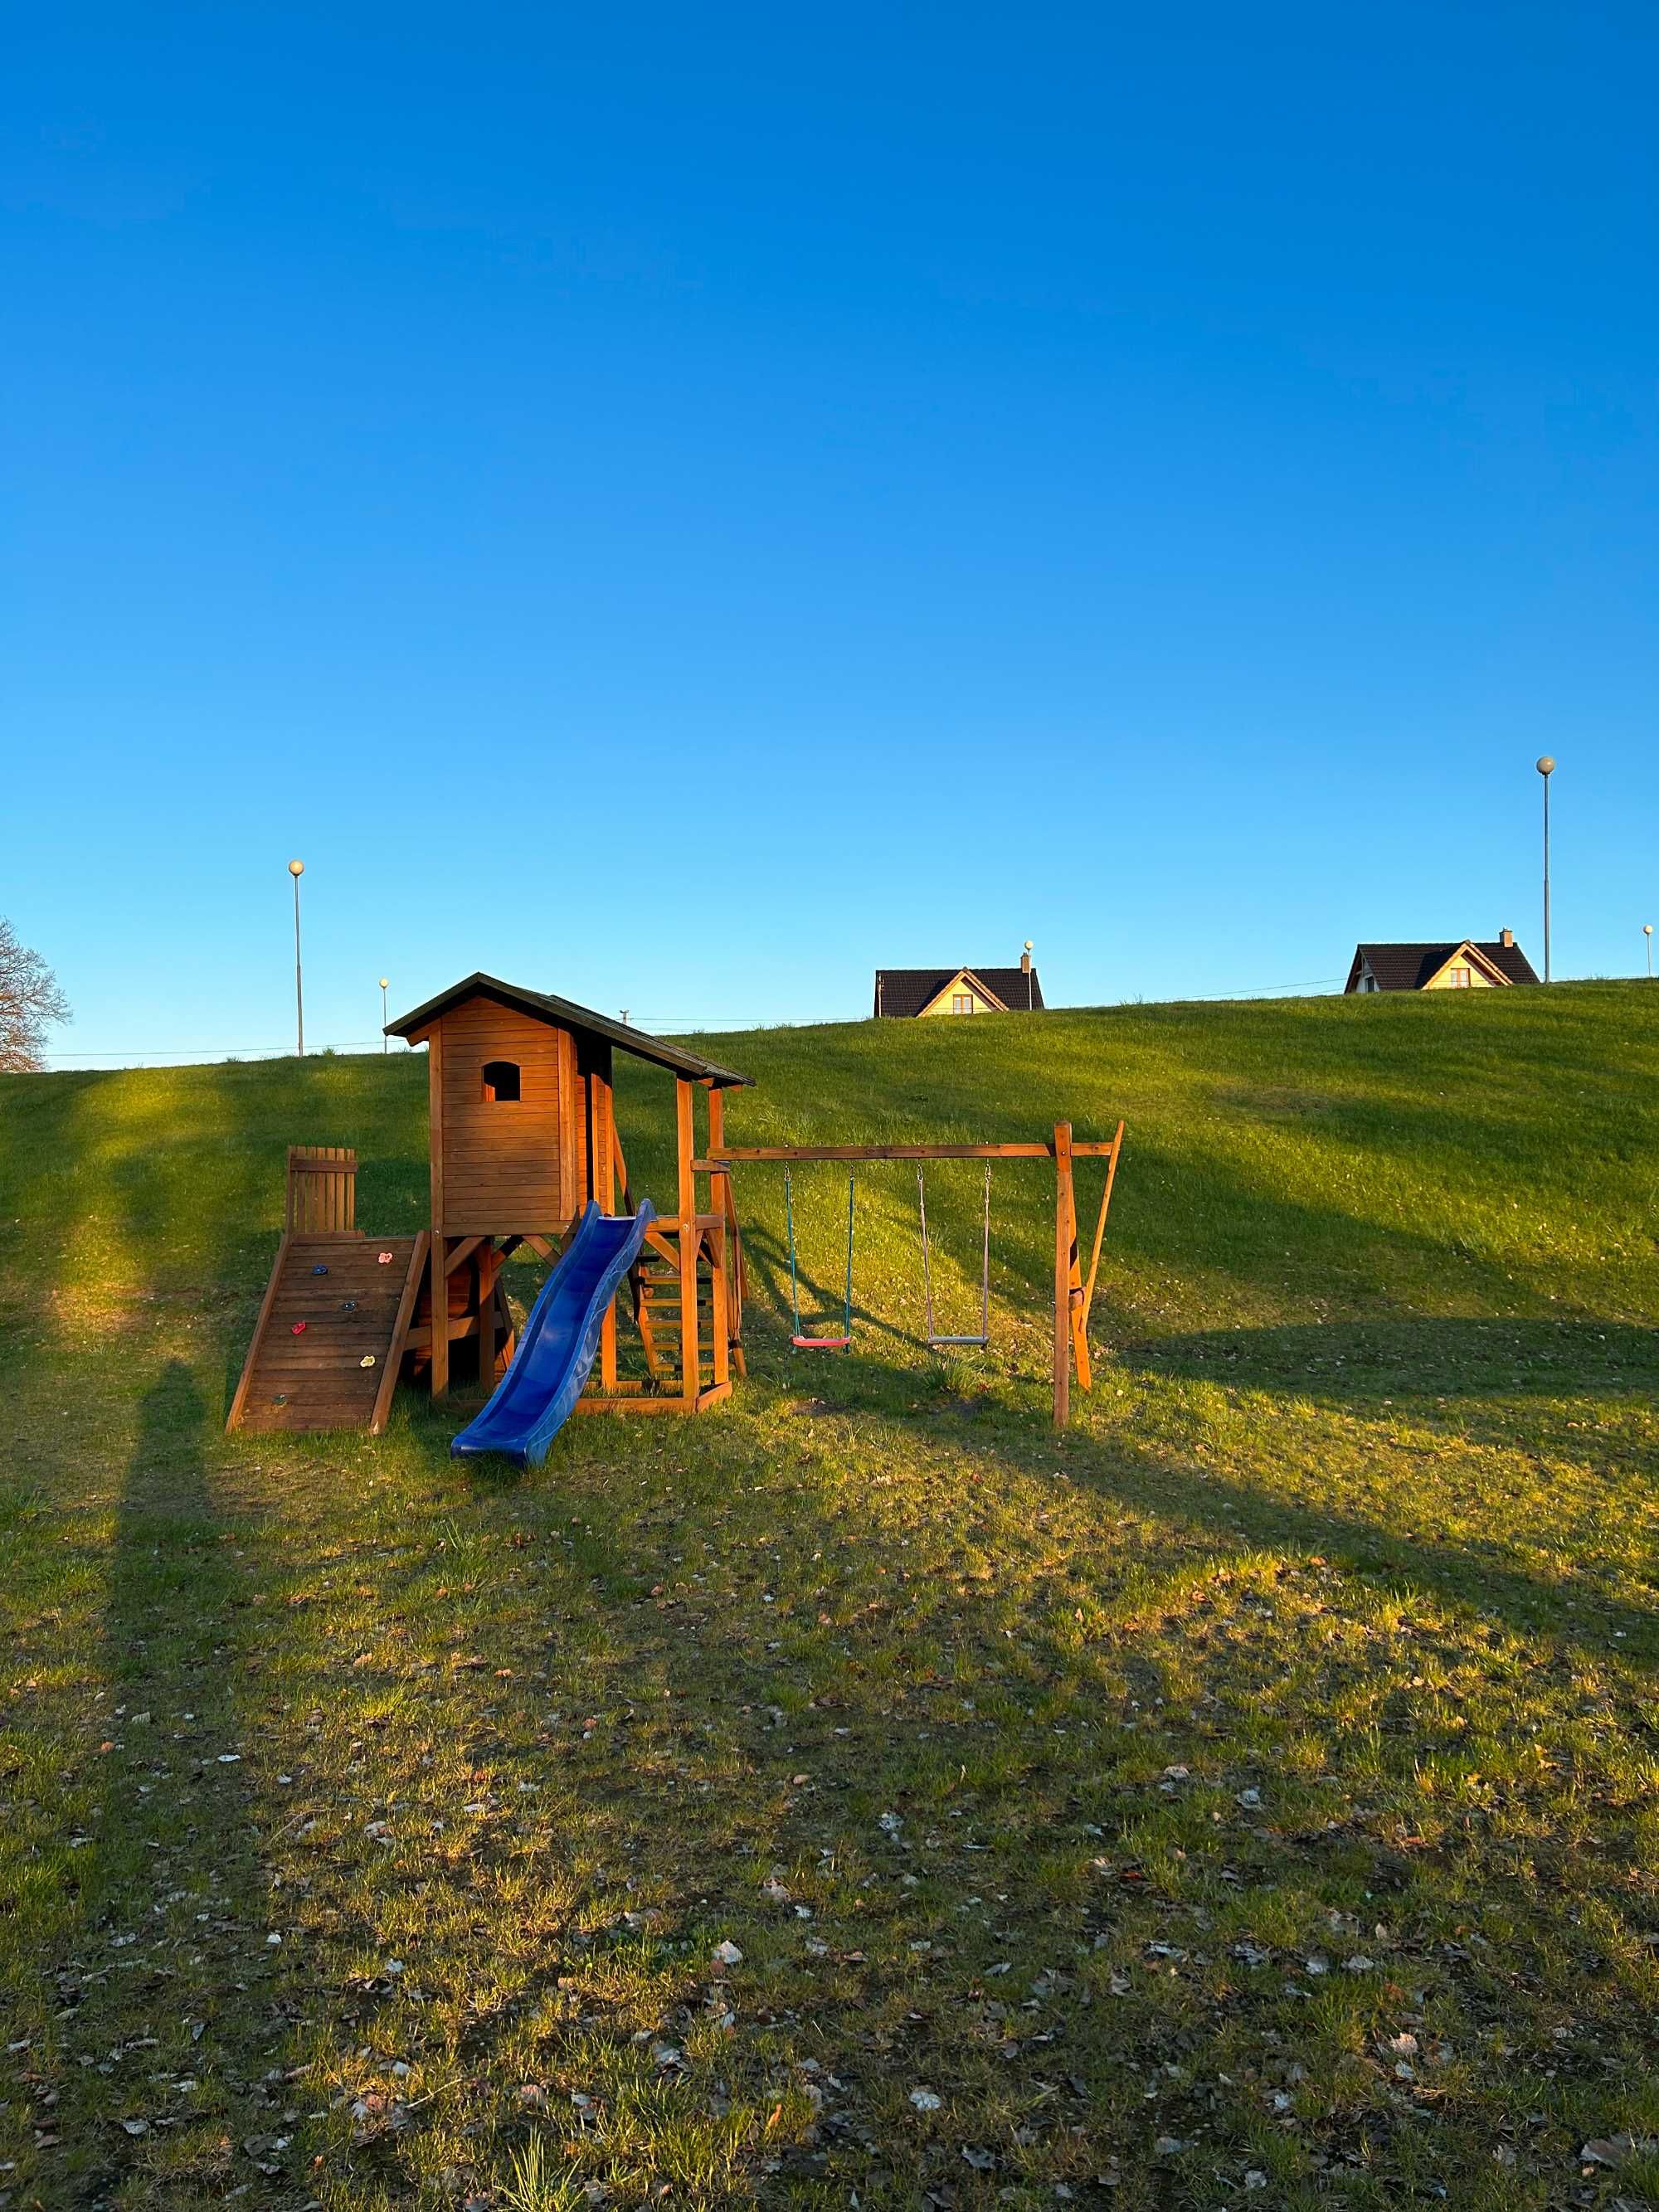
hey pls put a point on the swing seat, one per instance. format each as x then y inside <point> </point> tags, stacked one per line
<point>822,1343</point>
<point>939,1343</point>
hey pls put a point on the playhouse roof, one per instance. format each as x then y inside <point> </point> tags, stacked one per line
<point>565,1014</point>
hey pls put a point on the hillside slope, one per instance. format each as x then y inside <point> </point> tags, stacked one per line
<point>1249,1797</point>
<point>1285,1161</point>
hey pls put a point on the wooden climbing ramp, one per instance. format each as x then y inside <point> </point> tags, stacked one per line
<point>335,1320</point>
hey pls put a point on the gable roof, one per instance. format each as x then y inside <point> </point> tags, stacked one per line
<point>907,991</point>
<point>1409,967</point>
<point>564,1013</point>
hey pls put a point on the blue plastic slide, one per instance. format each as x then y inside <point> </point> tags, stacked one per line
<point>560,1342</point>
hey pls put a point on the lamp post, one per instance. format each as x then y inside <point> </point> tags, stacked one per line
<point>1546,769</point>
<point>1647,931</point>
<point>386,1042</point>
<point>1030,987</point>
<point>296,869</point>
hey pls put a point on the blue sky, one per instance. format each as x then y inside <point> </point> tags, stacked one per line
<point>679,507</point>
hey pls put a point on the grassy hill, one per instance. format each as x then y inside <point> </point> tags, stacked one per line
<point>1250,1797</point>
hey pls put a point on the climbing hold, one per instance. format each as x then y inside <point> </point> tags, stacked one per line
<point>367,1359</point>
<point>384,1259</point>
<point>319,1270</point>
<point>348,1305</point>
<point>281,1399</point>
<point>299,1328</point>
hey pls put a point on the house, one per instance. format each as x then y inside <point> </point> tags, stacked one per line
<point>908,993</point>
<point>1469,966</point>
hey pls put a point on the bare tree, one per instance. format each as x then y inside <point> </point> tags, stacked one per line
<point>30,1001</point>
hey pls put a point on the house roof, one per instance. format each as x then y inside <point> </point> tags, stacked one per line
<point>905,991</point>
<point>564,1013</point>
<point>1408,967</point>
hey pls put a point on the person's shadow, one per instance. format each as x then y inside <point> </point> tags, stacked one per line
<point>167,1973</point>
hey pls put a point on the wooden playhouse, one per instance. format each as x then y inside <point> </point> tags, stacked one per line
<point>522,1134</point>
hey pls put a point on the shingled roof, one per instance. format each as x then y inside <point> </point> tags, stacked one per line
<point>564,1013</point>
<point>1408,967</point>
<point>903,991</point>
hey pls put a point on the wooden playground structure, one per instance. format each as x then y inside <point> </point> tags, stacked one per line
<point>522,1137</point>
<point>1074,1292</point>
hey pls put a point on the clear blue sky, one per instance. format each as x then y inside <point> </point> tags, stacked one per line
<point>680,506</point>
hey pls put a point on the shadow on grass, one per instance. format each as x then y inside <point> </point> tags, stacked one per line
<point>1162,1478</point>
<point>176,1914</point>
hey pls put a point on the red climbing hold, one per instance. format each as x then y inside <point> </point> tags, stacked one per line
<point>384,1259</point>
<point>299,1328</point>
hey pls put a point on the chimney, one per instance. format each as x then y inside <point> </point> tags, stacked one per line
<point>1506,938</point>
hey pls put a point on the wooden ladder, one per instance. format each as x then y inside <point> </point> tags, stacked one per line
<point>657,1313</point>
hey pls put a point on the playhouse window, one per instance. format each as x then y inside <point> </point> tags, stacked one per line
<point>500,1081</point>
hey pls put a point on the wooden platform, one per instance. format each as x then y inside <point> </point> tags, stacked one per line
<point>316,1379</point>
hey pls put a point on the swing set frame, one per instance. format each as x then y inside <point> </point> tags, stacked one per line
<point>1073,1289</point>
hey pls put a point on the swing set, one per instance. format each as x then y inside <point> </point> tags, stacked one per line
<point>1074,1289</point>
<point>801,1341</point>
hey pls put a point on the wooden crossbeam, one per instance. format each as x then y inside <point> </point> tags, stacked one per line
<point>1084,1149</point>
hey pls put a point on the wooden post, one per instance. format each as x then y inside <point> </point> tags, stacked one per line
<point>435,1110</point>
<point>487,1263</point>
<point>1065,1257</point>
<point>728,1325</point>
<point>685,1120</point>
<point>602,1148</point>
<point>440,1275</point>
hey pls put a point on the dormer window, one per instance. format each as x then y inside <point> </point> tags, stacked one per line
<point>501,1082</point>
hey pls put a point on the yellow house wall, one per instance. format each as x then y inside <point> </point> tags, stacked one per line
<point>942,1004</point>
<point>1478,979</point>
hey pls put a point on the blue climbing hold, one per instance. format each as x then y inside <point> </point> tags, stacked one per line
<point>319,1270</point>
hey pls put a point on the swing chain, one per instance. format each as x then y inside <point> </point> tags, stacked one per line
<point>801,1341</point>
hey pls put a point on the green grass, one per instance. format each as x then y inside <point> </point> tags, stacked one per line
<point>1248,1799</point>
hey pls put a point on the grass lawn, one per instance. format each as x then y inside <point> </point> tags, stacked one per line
<point>859,1796</point>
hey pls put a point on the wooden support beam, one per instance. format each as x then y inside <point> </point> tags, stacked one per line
<point>1074,1301</point>
<point>1100,1228</point>
<point>1064,1255</point>
<point>434,1126</point>
<point>439,1277</point>
<point>729,1250</point>
<point>716,1395</point>
<point>720,1344</point>
<point>487,1266</point>
<point>233,1419</point>
<point>418,1267</point>
<point>504,1325</point>
<point>460,1252</point>
<point>726,1155</point>
<point>690,1239</point>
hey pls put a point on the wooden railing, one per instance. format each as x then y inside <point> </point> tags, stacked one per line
<point>322,1191</point>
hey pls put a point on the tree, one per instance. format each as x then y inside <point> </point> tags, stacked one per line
<point>30,1001</point>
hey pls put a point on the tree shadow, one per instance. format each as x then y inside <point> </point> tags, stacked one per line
<point>1425,1367</point>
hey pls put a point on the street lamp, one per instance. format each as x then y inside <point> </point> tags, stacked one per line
<point>386,1042</point>
<point>296,869</point>
<point>1030,987</point>
<point>1647,931</point>
<point>1546,769</point>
